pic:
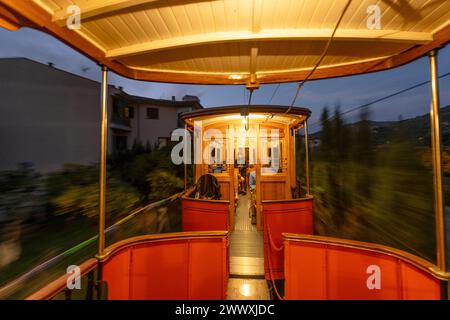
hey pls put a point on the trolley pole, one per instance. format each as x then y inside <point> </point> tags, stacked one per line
<point>437,170</point>
<point>103,155</point>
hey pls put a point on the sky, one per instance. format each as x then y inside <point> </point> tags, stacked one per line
<point>347,92</point>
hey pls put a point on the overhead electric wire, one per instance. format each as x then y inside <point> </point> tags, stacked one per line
<point>274,93</point>
<point>325,51</point>
<point>250,97</point>
<point>383,98</point>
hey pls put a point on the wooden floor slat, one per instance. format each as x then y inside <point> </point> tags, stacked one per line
<point>246,243</point>
<point>247,289</point>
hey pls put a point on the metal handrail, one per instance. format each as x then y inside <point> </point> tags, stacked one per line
<point>407,257</point>
<point>55,287</point>
<point>6,289</point>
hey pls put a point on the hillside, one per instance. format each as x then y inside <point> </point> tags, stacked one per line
<point>414,129</point>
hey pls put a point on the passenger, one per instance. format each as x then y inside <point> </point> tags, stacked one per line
<point>252,180</point>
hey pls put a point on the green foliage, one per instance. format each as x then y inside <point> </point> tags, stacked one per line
<point>137,170</point>
<point>84,200</point>
<point>75,191</point>
<point>374,193</point>
<point>19,193</point>
<point>164,184</point>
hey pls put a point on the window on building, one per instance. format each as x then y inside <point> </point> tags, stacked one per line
<point>129,112</point>
<point>153,113</point>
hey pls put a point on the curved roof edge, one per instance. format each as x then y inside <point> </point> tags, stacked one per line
<point>251,109</point>
<point>16,14</point>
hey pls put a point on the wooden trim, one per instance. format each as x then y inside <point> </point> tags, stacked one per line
<point>371,247</point>
<point>308,198</point>
<point>9,20</point>
<point>35,16</point>
<point>217,111</point>
<point>109,251</point>
<point>205,200</point>
<point>55,287</point>
<point>269,35</point>
<point>97,9</point>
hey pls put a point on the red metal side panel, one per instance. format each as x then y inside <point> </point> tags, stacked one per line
<point>318,271</point>
<point>305,272</point>
<point>208,279</point>
<point>418,285</point>
<point>159,272</point>
<point>348,273</point>
<point>205,215</point>
<point>118,270</point>
<point>283,217</point>
<point>172,270</point>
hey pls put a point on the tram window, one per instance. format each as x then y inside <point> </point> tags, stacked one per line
<point>216,161</point>
<point>216,154</point>
<point>272,163</point>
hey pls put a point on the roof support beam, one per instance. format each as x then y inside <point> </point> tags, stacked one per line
<point>270,35</point>
<point>92,9</point>
<point>253,82</point>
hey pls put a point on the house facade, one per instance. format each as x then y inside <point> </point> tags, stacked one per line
<point>144,120</point>
<point>49,117</point>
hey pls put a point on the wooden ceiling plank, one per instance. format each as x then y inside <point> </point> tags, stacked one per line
<point>93,9</point>
<point>266,35</point>
<point>35,16</point>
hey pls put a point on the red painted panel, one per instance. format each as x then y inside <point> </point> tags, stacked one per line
<point>159,272</point>
<point>348,274</point>
<point>283,217</point>
<point>320,271</point>
<point>209,281</point>
<point>199,215</point>
<point>169,269</point>
<point>119,270</point>
<point>305,272</point>
<point>418,285</point>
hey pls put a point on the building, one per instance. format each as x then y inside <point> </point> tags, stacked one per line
<point>49,117</point>
<point>146,121</point>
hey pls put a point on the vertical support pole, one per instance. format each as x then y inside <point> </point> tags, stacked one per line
<point>103,154</point>
<point>437,169</point>
<point>184,157</point>
<point>308,188</point>
<point>294,159</point>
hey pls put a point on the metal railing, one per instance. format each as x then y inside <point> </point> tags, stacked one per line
<point>58,285</point>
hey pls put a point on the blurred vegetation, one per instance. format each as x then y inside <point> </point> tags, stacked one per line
<point>43,215</point>
<point>372,191</point>
<point>19,193</point>
<point>75,191</point>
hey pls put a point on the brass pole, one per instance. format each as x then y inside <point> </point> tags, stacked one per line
<point>308,189</point>
<point>184,157</point>
<point>103,154</point>
<point>294,136</point>
<point>437,169</point>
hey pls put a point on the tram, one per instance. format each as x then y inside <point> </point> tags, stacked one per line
<point>249,151</point>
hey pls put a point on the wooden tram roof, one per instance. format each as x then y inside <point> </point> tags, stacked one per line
<point>292,116</point>
<point>238,42</point>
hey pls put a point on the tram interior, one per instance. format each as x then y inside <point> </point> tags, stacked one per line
<point>252,236</point>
